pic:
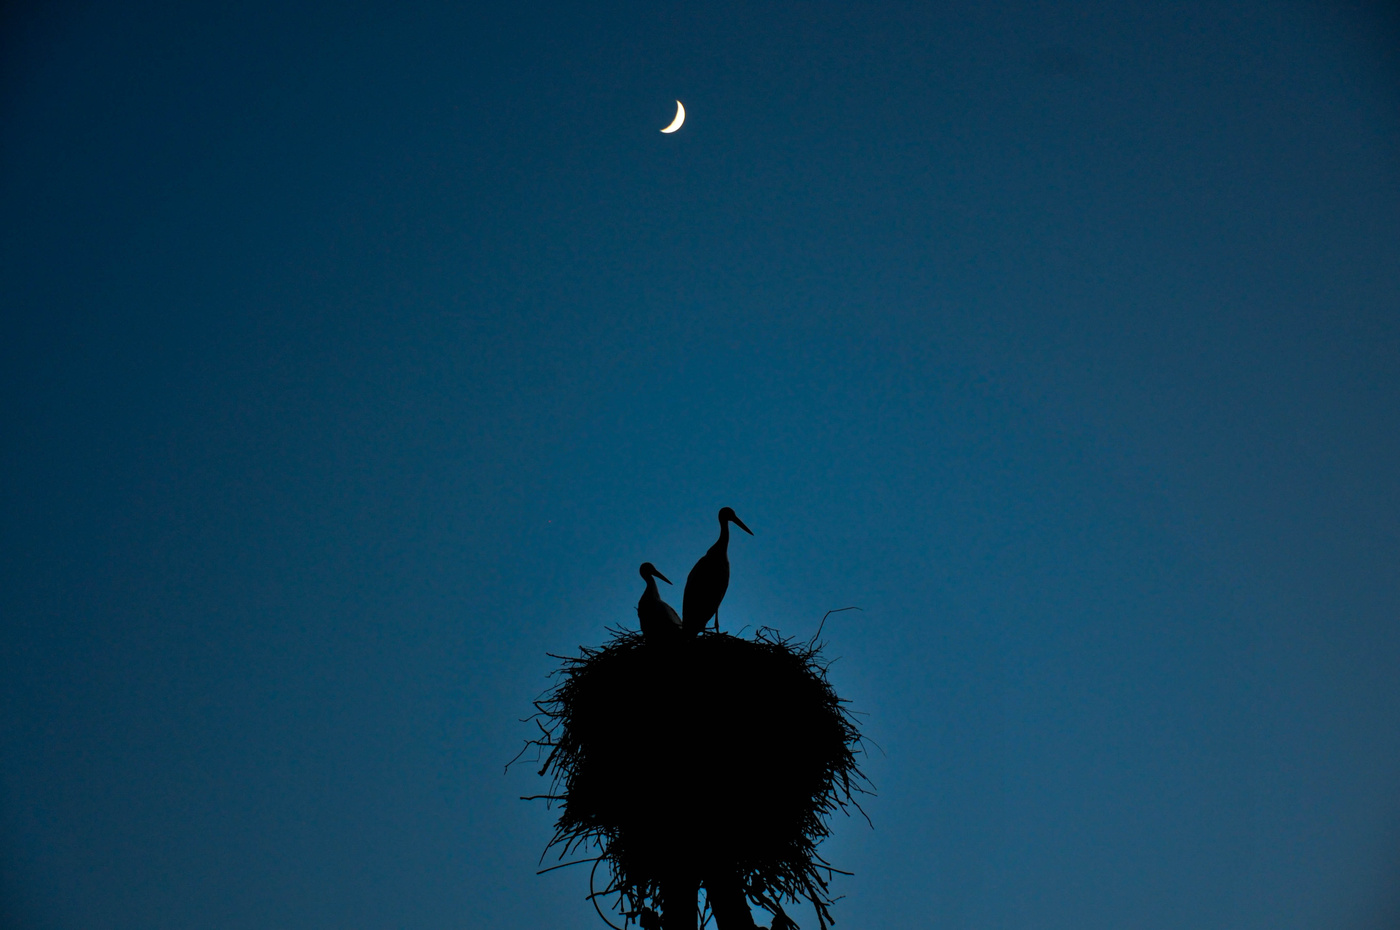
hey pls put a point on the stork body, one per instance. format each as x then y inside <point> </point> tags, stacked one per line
<point>709,579</point>
<point>657,618</point>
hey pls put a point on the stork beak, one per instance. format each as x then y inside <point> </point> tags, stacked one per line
<point>656,574</point>
<point>740,524</point>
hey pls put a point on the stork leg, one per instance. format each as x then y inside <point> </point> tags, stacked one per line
<point>716,619</point>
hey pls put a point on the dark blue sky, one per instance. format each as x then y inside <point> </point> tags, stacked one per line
<point>353,358</point>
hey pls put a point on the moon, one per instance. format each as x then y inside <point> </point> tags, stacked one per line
<point>680,118</point>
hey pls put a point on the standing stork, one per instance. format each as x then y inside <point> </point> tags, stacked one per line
<point>709,579</point>
<point>657,618</point>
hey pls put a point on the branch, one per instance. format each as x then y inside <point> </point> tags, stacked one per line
<point>821,625</point>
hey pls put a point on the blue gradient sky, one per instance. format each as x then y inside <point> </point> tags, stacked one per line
<point>353,357</point>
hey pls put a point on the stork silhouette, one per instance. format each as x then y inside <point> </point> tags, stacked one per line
<point>657,618</point>
<point>709,579</point>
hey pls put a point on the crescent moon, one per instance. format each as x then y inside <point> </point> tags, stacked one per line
<point>680,118</point>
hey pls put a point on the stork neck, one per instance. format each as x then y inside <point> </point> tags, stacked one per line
<point>651,587</point>
<point>723,542</point>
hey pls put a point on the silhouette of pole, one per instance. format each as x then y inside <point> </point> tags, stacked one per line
<point>728,904</point>
<point>680,897</point>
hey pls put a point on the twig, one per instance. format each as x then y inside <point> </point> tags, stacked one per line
<point>567,864</point>
<point>593,896</point>
<point>838,610</point>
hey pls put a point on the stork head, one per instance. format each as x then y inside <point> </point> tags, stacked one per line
<point>727,515</point>
<point>649,571</point>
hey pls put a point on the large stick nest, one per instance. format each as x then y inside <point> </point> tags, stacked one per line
<point>717,755</point>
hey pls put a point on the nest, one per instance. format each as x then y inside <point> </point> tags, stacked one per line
<point>712,756</point>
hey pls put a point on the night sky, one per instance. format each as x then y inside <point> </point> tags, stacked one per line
<point>352,358</point>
